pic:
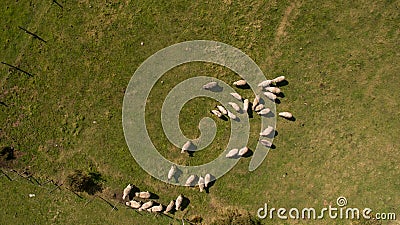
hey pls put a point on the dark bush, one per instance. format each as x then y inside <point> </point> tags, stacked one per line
<point>7,153</point>
<point>85,182</point>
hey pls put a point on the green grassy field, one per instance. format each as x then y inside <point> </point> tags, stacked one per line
<point>341,60</point>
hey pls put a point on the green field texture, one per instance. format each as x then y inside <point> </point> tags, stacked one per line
<point>341,59</point>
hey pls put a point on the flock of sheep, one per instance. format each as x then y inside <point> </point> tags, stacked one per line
<point>269,91</point>
<point>150,205</point>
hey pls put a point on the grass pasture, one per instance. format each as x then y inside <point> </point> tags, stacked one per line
<point>341,60</point>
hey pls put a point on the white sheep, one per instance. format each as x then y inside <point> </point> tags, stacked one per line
<point>231,115</point>
<point>157,208</point>
<point>278,79</point>
<point>243,151</point>
<point>143,194</point>
<point>259,107</point>
<point>265,83</point>
<point>240,83</point>
<point>146,205</point>
<point>186,146</point>
<point>232,153</point>
<point>274,90</point>
<point>245,105</point>
<point>222,109</point>
<point>266,143</point>
<point>286,115</point>
<point>201,183</point>
<point>270,95</point>
<point>134,204</point>
<point>267,131</point>
<point>237,96</point>
<point>171,172</point>
<point>190,180</point>
<point>256,101</point>
<point>126,191</point>
<point>217,113</point>
<point>207,179</point>
<point>170,206</point>
<point>178,202</point>
<point>234,106</point>
<point>264,112</point>
<point>210,85</point>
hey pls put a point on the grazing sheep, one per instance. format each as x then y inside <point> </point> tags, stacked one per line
<point>207,179</point>
<point>286,115</point>
<point>245,105</point>
<point>256,101</point>
<point>127,190</point>
<point>267,131</point>
<point>270,95</point>
<point>201,183</point>
<point>190,180</point>
<point>146,205</point>
<point>231,115</point>
<point>143,194</point>
<point>264,112</point>
<point>134,204</point>
<point>186,146</point>
<point>240,83</point>
<point>170,206</point>
<point>171,172</point>
<point>234,106</point>
<point>274,90</point>
<point>259,107</point>
<point>232,153</point>
<point>178,202</point>
<point>217,113</point>
<point>278,79</point>
<point>222,109</point>
<point>265,83</point>
<point>266,143</point>
<point>210,85</point>
<point>157,208</point>
<point>237,96</point>
<point>243,151</point>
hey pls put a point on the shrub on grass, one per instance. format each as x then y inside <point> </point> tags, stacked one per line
<point>85,182</point>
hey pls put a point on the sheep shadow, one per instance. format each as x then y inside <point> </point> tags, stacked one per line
<point>224,118</point>
<point>215,89</point>
<point>291,119</point>
<point>246,86</point>
<point>185,203</point>
<point>277,101</point>
<point>248,154</point>
<point>282,83</point>
<point>272,134</point>
<point>250,111</point>
<point>133,191</point>
<point>177,174</point>
<point>154,196</point>
<point>212,182</point>
<point>237,119</point>
<point>281,95</point>
<point>270,114</point>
